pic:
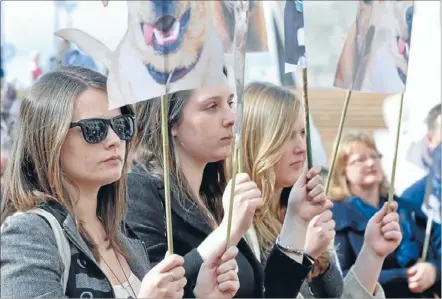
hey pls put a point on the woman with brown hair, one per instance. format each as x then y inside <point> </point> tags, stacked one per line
<point>359,190</point>
<point>274,155</point>
<point>200,130</point>
<point>69,164</point>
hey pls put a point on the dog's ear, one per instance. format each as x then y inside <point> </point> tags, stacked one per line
<point>105,2</point>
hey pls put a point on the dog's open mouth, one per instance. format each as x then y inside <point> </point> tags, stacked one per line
<point>403,47</point>
<point>404,50</point>
<point>403,44</point>
<point>166,35</point>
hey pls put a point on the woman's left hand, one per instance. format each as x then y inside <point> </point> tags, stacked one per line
<point>320,234</point>
<point>218,276</point>
<point>421,276</point>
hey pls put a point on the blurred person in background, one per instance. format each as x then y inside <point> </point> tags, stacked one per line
<point>420,152</point>
<point>2,156</point>
<point>359,190</point>
<point>9,112</point>
<point>35,67</point>
<point>420,133</point>
<point>425,199</point>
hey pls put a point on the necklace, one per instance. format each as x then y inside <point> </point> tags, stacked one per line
<point>125,276</point>
<point>122,269</point>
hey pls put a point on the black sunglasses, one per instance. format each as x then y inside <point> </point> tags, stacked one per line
<point>95,129</point>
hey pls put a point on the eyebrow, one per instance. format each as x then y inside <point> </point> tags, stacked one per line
<point>217,98</point>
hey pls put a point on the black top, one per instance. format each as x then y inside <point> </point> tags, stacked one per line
<point>282,276</point>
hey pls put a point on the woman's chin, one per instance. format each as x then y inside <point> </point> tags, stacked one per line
<point>288,182</point>
<point>220,155</point>
<point>109,178</point>
<point>372,182</point>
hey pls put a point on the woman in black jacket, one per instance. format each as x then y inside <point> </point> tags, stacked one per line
<point>200,130</point>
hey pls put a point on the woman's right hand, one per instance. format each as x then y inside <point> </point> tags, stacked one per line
<point>165,280</point>
<point>307,198</point>
<point>320,234</point>
<point>246,200</point>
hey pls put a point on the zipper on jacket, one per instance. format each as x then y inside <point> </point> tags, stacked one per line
<point>146,252</point>
<point>96,263</point>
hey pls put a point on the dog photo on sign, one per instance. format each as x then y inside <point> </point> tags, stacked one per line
<point>167,41</point>
<point>371,40</point>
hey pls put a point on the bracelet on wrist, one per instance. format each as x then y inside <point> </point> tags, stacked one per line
<point>295,251</point>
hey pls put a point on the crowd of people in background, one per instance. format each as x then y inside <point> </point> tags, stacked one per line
<point>100,173</point>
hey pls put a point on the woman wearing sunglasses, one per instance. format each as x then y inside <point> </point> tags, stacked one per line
<point>69,160</point>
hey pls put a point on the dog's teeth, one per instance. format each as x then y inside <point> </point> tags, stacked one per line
<point>176,30</point>
<point>158,36</point>
<point>161,39</point>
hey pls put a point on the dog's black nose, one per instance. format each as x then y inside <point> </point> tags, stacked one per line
<point>165,23</point>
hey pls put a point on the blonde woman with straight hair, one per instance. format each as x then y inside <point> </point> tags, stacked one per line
<point>274,156</point>
<point>359,190</point>
<point>67,181</point>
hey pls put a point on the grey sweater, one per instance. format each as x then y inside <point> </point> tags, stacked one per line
<point>31,266</point>
<point>330,284</point>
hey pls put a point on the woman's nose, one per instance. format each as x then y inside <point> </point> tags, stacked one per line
<point>229,118</point>
<point>112,139</point>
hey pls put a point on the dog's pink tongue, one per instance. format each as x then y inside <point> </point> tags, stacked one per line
<point>401,44</point>
<point>148,34</point>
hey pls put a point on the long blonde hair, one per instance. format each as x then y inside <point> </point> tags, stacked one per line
<point>339,188</point>
<point>269,116</point>
<point>34,174</point>
<point>270,113</point>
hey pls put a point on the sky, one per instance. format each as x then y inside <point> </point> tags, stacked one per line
<point>29,27</point>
